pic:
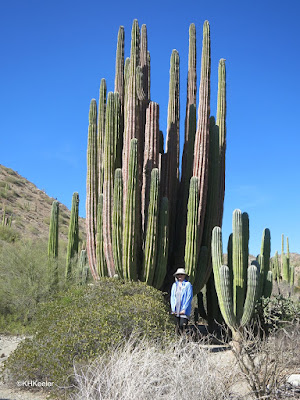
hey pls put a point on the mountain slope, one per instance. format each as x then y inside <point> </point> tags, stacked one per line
<point>29,207</point>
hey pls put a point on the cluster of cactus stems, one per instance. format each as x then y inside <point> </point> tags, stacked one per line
<point>143,221</point>
<point>239,285</point>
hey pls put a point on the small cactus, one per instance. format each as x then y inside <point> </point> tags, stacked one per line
<point>237,284</point>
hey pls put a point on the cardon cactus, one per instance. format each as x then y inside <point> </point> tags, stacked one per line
<point>237,284</point>
<point>73,236</point>
<point>53,245</point>
<point>143,217</point>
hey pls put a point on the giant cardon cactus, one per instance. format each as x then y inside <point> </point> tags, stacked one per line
<point>237,284</point>
<point>135,182</point>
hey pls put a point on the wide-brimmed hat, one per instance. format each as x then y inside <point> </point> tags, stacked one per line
<point>180,271</point>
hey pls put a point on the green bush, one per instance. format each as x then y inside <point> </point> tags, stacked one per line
<point>83,323</point>
<point>24,281</point>
<point>8,234</point>
<point>278,311</point>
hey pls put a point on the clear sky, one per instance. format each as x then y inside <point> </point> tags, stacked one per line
<point>54,54</point>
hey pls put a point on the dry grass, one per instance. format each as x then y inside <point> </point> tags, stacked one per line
<point>140,370</point>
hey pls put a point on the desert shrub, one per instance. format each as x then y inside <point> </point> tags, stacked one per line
<point>15,180</point>
<point>84,322</point>
<point>24,281</point>
<point>277,311</point>
<point>267,362</point>
<point>8,234</point>
<point>143,370</point>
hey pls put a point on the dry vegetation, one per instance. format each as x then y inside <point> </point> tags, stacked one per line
<point>29,207</point>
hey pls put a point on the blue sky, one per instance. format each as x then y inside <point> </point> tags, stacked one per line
<point>54,55</point>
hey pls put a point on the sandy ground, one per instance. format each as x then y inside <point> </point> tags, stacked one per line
<point>7,345</point>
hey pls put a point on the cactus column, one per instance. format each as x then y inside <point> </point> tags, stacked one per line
<point>73,236</point>
<point>92,190</point>
<point>172,173</point>
<point>53,246</point>
<point>200,168</point>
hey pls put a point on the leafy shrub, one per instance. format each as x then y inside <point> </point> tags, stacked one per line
<point>24,281</point>
<point>277,311</point>
<point>83,323</point>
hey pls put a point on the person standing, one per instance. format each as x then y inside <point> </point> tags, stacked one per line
<point>181,299</point>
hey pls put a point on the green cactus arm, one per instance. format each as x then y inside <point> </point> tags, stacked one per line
<point>203,260</point>
<point>163,245</point>
<point>251,296</point>
<point>268,285</point>
<point>83,268</point>
<point>144,62</point>
<point>53,246</point>
<point>101,134</point>
<point>101,261</point>
<point>261,262</point>
<point>109,158</point>
<point>131,116</point>
<point>117,222</point>
<point>292,275</point>
<point>150,251</point>
<point>217,263</point>
<point>221,122</point>
<point>172,143</point>
<point>73,235</point>
<point>130,217</point>
<point>285,268</point>
<point>119,75</point>
<point>266,250</point>
<point>201,148</point>
<point>191,250</point>
<point>53,231</point>
<point>225,296</point>
<point>92,189</point>
<point>139,83</point>
<point>118,134</point>
<point>151,157</point>
<point>239,284</point>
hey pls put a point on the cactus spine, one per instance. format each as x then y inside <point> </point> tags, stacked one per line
<point>73,236</point>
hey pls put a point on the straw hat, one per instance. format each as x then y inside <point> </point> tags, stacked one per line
<point>180,271</point>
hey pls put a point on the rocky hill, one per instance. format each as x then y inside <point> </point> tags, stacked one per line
<point>29,208</point>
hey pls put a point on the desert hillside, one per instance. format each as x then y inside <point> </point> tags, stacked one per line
<point>29,208</point>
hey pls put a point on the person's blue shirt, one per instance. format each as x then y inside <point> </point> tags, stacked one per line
<point>186,297</point>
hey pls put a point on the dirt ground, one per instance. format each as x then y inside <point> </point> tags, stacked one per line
<point>7,345</point>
